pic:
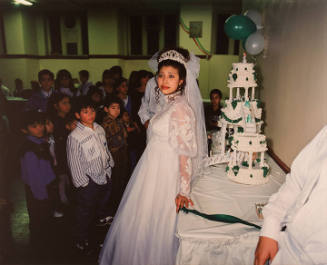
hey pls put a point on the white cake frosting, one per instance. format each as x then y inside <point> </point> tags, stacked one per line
<point>247,176</point>
<point>248,142</point>
<point>241,121</point>
<point>247,164</point>
<point>242,75</point>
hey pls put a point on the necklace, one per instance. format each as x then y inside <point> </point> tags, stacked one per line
<point>171,97</point>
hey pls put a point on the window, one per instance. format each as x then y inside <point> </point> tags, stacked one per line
<point>55,35</point>
<point>150,33</point>
<point>3,49</point>
<point>153,29</point>
<point>67,33</point>
<point>170,26</point>
<point>222,41</point>
<point>136,35</point>
<point>236,47</point>
<point>224,45</point>
<point>85,36</point>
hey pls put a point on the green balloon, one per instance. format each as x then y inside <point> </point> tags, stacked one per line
<point>239,27</point>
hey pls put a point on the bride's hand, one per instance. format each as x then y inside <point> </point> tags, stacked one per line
<point>182,201</point>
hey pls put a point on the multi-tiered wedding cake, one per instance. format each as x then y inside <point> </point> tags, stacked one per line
<point>241,122</point>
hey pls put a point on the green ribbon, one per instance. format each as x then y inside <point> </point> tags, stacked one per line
<point>229,120</point>
<point>220,218</point>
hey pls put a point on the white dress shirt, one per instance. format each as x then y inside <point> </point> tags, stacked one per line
<point>84,88</point>
<point>300,206</point>
<point>88,155</point>
<point>149,105</point>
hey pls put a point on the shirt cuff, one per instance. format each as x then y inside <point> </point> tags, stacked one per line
<point>271,228</point>
<point>144,118</point>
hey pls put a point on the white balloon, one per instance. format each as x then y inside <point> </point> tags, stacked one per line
<point>254,44</point>
<point>255,16</point>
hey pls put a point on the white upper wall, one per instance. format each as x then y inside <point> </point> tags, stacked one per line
<point>294,72</point>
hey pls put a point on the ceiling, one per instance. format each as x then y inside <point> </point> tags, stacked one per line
<point>139,4</point>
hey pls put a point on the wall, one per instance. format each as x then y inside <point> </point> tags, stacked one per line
<point>14,32</point>
<point>294,72</point>
<point>107,36</point>
<point>25,69</point>
<point>71,35</point>
<point>196,13</point>
<point>29,34</point>
<point>103,31</point>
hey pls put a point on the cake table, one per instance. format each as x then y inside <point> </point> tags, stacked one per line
<point>207,242</point>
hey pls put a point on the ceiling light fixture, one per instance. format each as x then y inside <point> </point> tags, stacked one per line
<point>23,2</point>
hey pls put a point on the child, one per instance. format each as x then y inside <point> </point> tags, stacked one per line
<point>108,84</point>
<point>70,122</point>
<point>90,163</point>
<point>65,84</point>
<point>137,93</point>
<point>39,99</point>
<point>37,174</point>
<point>121,88</point>
<point>53,191</point>
<point>59,109</point>
<point>96,96</point>
<point>132,131</point>
<point>213,111</point>
<point>117,71</point>
<point>117,142</point>
<point>48,136</point>
<point>85,85</point>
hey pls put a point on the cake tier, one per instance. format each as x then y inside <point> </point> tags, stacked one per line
<point>254,176</point>
<point>249,142</point>
<point>236,111</point>
<point>242,75</point>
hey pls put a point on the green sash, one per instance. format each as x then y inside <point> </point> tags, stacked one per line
<point>220,218</point>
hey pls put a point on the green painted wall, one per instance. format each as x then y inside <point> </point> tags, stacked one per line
<point>196,13</point>
<point>30,34</point>
<point>71,35</point>
<point>25,69</point>
<point>214,71</point>
<point>103,31</point>
<point>40,27</point>
<point>14,32</point>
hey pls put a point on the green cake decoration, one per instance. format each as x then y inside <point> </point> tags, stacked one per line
<point>235,170</point>
<point>265,171</point>
<point>240,129</point>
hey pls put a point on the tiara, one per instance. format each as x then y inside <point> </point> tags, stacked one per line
<point>172,55</point>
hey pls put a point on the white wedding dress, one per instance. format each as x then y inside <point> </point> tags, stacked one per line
<point>143,231</point>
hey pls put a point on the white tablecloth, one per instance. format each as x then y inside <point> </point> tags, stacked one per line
<point>207,242</point>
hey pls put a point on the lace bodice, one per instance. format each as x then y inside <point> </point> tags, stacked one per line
<point>175,126</point>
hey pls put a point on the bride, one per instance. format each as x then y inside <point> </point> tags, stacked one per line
<point>143,231</point>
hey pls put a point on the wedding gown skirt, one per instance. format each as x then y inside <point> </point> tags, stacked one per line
<point>143,231</point>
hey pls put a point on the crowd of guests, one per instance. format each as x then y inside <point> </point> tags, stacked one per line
<point>71,135</point>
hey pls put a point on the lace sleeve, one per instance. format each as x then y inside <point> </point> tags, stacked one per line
<point>182,139</point>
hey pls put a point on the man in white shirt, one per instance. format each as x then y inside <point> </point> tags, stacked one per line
<point>295,219</point>
<point>151,102</point>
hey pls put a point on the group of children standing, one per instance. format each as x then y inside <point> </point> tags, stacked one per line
<point>78,151</point>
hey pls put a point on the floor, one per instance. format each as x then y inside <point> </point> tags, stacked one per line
<point>14,235</point>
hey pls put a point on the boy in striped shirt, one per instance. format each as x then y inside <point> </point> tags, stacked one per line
<point>90,163</point>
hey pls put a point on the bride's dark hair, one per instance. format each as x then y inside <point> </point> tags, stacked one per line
<point>180,67</point>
